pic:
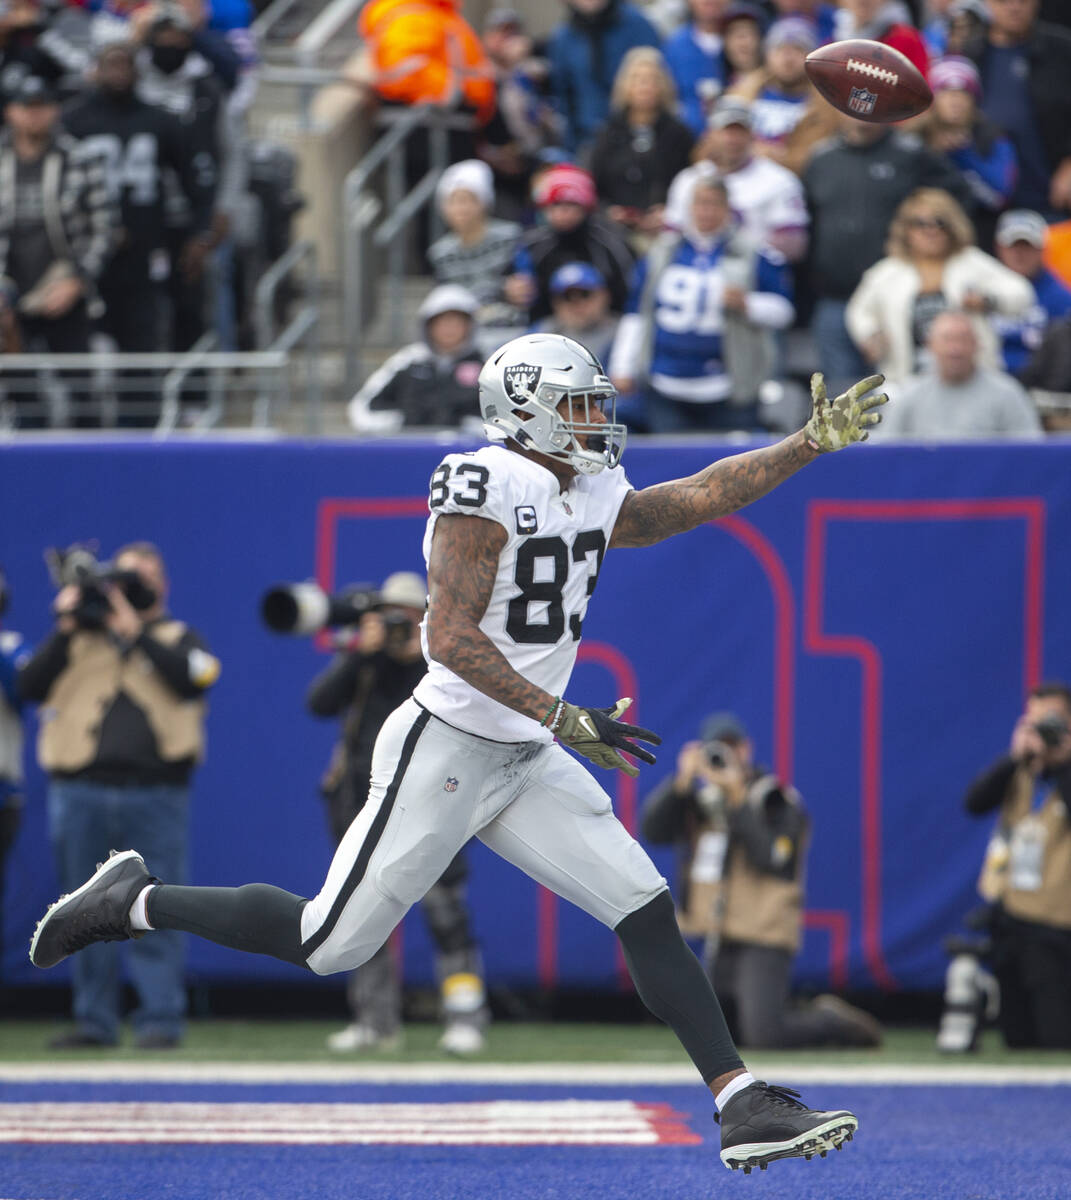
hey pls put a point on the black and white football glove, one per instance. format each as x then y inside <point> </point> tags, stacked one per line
<point>596,733</point>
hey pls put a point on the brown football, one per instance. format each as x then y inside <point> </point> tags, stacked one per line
<point>869,80</point>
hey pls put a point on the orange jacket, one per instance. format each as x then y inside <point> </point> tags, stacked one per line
<point>1058,250</point>
<point>424,52</point>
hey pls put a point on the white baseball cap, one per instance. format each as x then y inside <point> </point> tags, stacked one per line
<point>404,588</point>
<point>1021,225</point>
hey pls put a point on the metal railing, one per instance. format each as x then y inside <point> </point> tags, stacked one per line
<point>363,204</point>
<point>324,28</point>
<point>307,82</point>
<point>264,25</point>
<point>309,73</point>
<point>196,390</point>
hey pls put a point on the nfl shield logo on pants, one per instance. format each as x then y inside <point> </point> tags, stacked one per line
<point>450,785</point>
<point>862,101</point>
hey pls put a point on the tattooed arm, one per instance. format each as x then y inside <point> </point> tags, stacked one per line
<point>461,575</point>
<point>659,512</point>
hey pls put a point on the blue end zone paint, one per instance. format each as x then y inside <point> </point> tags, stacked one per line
<point>915,1143</point>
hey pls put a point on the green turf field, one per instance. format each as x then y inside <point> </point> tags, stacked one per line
<point>303,1041</point>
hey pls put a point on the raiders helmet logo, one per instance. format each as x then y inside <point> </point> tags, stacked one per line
<point>862,101</point>
<point>519,380</point>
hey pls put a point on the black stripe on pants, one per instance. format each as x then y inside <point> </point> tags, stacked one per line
<point>375,832</point>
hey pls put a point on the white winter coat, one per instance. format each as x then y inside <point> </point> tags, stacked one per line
<point>885,298</point>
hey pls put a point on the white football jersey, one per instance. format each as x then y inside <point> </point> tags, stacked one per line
<point>764,195</point>
<point>546,574</point>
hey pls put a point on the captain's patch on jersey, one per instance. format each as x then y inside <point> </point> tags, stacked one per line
<point>519,380</point>
<point>526,518</point>
<point>480,1123</point>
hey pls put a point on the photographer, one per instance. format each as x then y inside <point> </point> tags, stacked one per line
<point>1028,871</point>
<point>122,686</point>
<point>374,672</point>
<point>744,835</point>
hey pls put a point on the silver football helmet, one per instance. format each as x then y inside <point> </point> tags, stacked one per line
<point>524,381</point>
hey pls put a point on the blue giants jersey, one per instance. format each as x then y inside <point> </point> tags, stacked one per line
<point>689,318</point>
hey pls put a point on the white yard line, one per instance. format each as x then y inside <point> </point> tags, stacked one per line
<point>508,1074</point>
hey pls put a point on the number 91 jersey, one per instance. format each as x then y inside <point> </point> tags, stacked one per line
<point>547,571</point>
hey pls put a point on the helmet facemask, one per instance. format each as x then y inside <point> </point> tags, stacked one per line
<point>533,420</point>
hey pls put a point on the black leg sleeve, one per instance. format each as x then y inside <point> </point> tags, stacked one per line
<point>257,918</point>
<point>675,988</point>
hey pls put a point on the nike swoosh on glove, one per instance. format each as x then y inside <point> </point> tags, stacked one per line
<point>847,418</point>
<point>597,734</point>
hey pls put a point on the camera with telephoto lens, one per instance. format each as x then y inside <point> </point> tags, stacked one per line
<point>79,567</point>
<point>1052,729</point>
<point>304,608</point>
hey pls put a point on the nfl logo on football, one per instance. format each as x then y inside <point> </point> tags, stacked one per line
<point>861,101</point>
<point>450,785</point>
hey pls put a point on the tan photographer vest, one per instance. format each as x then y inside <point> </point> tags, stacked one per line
<point>1028,864</point>
<point>96,672</point>
<point>744,904</point>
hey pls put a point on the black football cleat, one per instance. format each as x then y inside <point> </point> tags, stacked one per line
<point>99,911</point>
<point>763,1123</point>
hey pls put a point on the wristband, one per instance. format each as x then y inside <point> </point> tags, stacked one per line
<point>553,714</point>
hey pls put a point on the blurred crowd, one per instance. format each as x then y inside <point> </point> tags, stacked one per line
<point>663,183</point>
<point>135,210</point>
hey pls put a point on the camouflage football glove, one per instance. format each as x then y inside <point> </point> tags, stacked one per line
<point>837,423</point>
<point>596,733</point>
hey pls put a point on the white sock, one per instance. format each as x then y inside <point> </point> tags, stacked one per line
<point>139,914</point>
<point>737,1084</point>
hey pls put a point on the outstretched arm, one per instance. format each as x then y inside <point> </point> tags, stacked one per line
<point>659,512</point>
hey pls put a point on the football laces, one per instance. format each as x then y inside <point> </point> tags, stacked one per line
<point>880,74</point>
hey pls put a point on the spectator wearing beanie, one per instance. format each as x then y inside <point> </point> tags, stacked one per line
<point>642,146</point>
<point>585,53</point>
<point>432,381</point>
<point>957,129</point>
<point>478,251</point>
<point>572,231</point>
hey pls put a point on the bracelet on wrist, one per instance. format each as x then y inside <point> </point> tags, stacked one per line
<point>553,714</point>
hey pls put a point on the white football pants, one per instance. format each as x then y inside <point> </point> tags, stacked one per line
<point>433,788</point>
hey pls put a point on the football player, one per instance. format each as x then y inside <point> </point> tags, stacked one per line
<point>514,543</point>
